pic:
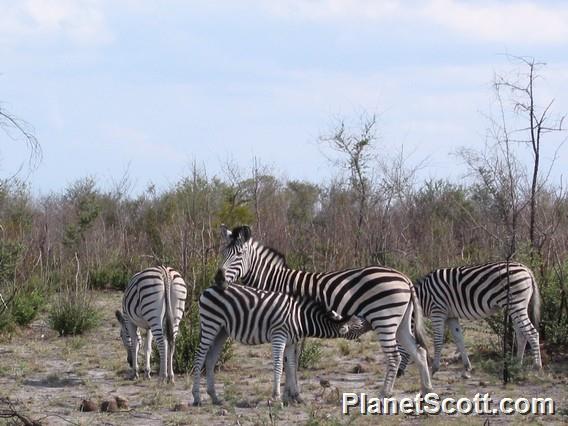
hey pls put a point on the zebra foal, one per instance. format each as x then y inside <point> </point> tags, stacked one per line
<point>154,300</point>
<point>252,317</point>
<point>476,292</point>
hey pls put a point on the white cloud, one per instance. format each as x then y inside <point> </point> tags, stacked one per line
<point>516,22</point>
<point>335,9</point>
<point>81,21</point>
<point>525,22</point>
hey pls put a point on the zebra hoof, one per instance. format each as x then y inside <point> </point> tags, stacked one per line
<point>196,403</point>
<point>278,403</point>
<point>400,373</point>
<point>217,401</point>
<point>466,375</point>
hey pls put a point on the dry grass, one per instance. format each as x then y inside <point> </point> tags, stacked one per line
<point>49,376</point>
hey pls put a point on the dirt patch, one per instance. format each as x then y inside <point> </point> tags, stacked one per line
<point>48,378</point>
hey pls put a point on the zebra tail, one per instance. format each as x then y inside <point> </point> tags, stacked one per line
<point>419,332</point>
<point>169,313</point>
<point>534,306</point>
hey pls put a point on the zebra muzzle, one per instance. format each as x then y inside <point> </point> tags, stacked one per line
<point>220,280</point>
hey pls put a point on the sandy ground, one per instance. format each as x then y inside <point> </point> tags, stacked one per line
<point>46,377</point>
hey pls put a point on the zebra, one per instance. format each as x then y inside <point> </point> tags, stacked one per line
<point>154,300</point>
<point>252,316</point>
<point>476,292</point>
<point>381,296</point>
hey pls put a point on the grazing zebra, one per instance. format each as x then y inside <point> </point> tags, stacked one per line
<point>252,317</point>
<point>154,300</point>
<point>476,292</point>
<point>383,297</point>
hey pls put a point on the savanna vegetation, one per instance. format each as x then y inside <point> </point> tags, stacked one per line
<point>56,250</point>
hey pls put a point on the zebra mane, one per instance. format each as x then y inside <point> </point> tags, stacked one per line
<point>277,255</point>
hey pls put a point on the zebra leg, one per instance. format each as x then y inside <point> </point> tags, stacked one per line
<point>172,349</point>
<point>134,347</point>
<point>278,345</point>
<point>291,388</point>
<point>211,361</point>
<point>438,324</point>
<point>457,334</point>
<point>387,340</point>
<point>522,322</point>
<point>407,340</point>
<point>521,344</point>
<point>205,343</point>
<point>147,353</point>
<point>163,350</point>
<point>403,361</point>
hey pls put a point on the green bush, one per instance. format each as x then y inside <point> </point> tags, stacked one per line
<point>25,306</point>
<point>70,319</point>
<point>310,353</point>
<point>73,312</point>
<point>554,314</point>
<point>7,323</point>
<point>113,275</point>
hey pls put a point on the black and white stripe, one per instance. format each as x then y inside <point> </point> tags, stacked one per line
<point>252,317</point>
<point>476,292</point>
<point>383,297</point>
<point>154,300</point>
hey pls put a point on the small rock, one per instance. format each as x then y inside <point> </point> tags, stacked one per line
<point>483,383</point>
<point>121,402</point>
<point>88,405</point>
<point>324,383</point>
<point>358,369</point>
<point>109,406</point>
<point>181,407</point>
<point>244,404</point>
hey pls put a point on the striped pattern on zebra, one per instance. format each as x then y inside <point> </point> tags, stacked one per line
<point>476,292</point>
<point>154,300</point>
<point>252,317</point>
<point>383,297</point>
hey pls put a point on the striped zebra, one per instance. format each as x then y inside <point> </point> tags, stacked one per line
<point>252,317</point>
<point>476,292</point>
<point>383,297</point>
<point>154,300</point>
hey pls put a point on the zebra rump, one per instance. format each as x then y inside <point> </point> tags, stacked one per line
<point>154,300</point>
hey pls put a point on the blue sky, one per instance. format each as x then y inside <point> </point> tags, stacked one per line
<point>150,87</point>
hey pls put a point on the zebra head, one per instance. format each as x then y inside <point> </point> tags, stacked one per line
<point>124,335</point>
<point>235,256</point>
<point>354,328</point>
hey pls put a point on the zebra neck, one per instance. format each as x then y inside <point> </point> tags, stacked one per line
<point>280,278</point>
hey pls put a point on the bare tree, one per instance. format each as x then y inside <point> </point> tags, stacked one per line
<point>19,130</point>
<point>355,147</point>
<point>536,121</point>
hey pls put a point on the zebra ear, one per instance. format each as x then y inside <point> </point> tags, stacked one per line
<point>226,232</point>
<point>119,317</point>
<point>244,233</point>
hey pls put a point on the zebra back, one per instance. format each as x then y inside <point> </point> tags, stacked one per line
<point>477,291</point>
